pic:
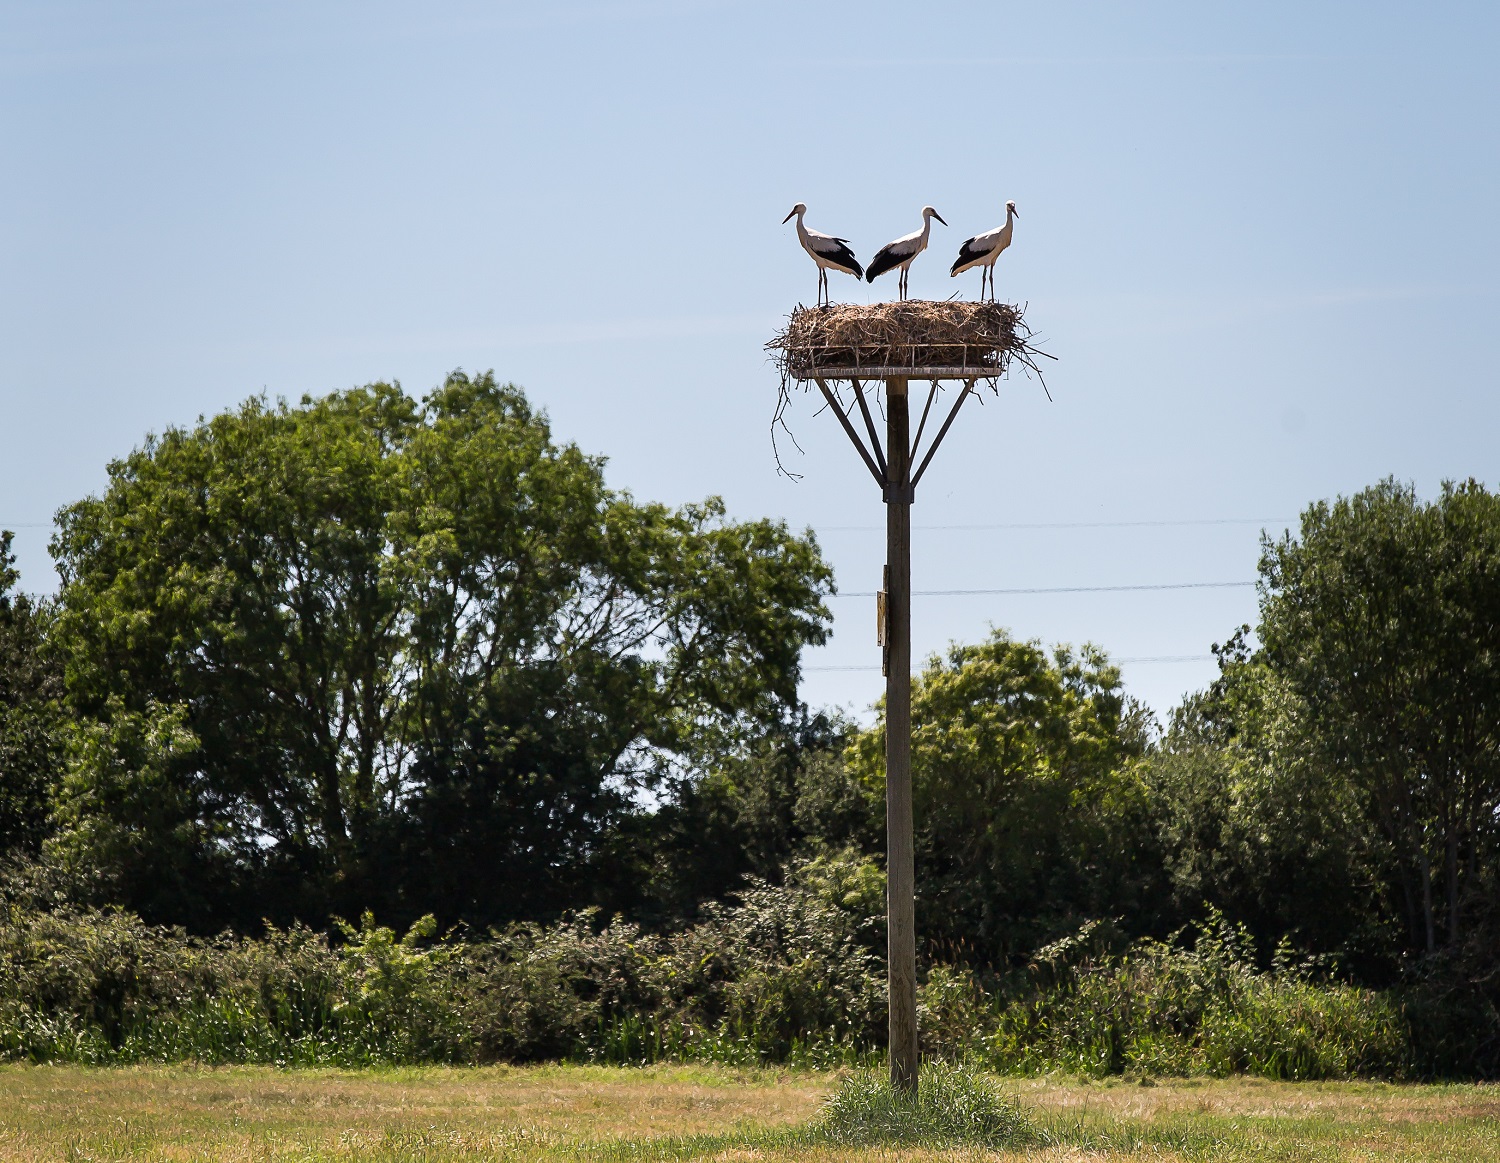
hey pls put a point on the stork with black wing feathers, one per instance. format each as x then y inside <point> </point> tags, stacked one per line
<point>983,249</point>
<point>828,252</point>
<point>899,254</point>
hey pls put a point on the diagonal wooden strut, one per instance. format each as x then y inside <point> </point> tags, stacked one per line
<point>943,431</point>
<point>864,455</point>
<point>859,394</point>
<point>917,439</point>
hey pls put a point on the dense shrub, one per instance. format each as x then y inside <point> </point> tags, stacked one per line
<point>788,974</point>
<point>1163,1008</point>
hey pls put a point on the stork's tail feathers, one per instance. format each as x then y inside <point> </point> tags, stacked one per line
<point>968,254</point>
<point>881,263</point>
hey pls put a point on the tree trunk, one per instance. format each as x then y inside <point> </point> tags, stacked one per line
<point>1451,874</point>
<point>1427,919</point>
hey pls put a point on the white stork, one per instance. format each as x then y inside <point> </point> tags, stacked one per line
<point>983,249</point>
<point>903,250</point>
<point>826,250</point>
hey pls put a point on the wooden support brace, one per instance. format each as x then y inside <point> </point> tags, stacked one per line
<point>943,431</point>
<point>864,455</point>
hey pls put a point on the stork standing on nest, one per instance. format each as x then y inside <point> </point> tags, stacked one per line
<point>828,252</point>
<point>982,250</point>
<point>900,253</point>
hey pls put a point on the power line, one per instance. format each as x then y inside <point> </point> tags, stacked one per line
<point>959,528</point>
<point>1121,661</point>
<point>1066,525</point>
<point>1061,590</point>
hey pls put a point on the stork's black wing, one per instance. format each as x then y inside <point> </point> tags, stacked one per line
<point>887,258</point>
<point>967,253</point>
<point>845,258</point>
<point>837,252</point>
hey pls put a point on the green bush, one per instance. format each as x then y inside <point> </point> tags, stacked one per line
<point>784,975</point>
<point>1164,1009</point>
<point>787,974</point>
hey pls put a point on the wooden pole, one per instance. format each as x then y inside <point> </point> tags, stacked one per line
<point>901,937</point>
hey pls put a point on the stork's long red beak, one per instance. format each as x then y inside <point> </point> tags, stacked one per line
<point>788,218</point>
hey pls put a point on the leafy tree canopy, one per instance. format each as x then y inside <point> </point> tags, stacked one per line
<point>1030,810</point>
<point>1383,617</point>
<point>30,689</point>
<point>370,650</point>
<point>1340,782</point>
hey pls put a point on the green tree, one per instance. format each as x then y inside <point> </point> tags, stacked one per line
<point>30,721</point>
<point>1383,617</point>
<point>422,652</point>
<point>1031,812</point>
<point>782,797</point>
<point>1254,825</point>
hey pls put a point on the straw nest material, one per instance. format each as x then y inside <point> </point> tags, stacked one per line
<point>915,334</point>
<point>837,342</point>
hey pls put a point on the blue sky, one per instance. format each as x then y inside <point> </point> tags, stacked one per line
<point>1261,239</point>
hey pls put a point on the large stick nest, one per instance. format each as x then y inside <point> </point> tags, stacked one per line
<point>915,334</point>
<point>823,343</point>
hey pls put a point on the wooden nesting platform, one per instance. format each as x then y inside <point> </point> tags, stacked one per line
<point>918,339</point>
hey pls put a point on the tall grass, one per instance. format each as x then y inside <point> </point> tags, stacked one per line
<point>954,1106</point>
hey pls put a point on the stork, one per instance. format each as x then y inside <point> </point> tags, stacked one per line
<point>903,250</point>
<point>827,251</point>
<point>983,249</point>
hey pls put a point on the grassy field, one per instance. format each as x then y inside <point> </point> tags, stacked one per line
<point>689,1113</point>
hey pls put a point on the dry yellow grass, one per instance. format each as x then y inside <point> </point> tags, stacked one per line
<point>260,1113</point>
<point>434,1115</point>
